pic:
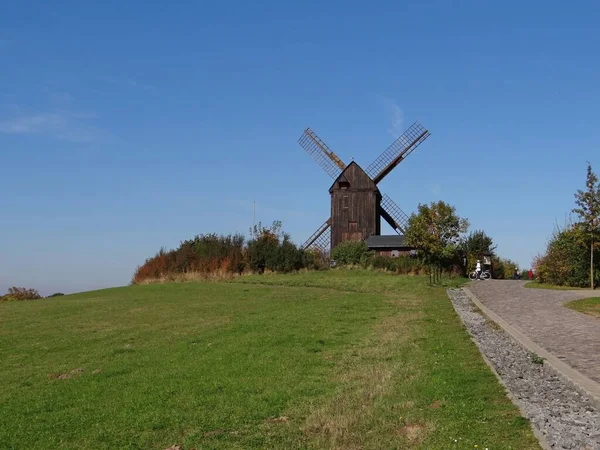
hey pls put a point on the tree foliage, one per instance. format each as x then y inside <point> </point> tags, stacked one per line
<point>435,231</point>
<point>566,260</point>
<point>475,245</point>
<point>351,253</point>
<point>271,249</point>
<point>588,212</point>
<point>20,293</point>
<point>478,243</point>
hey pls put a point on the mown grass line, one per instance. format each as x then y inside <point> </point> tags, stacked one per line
<point>357,360</point>
<point>590,306</point>
<point>536,285</point>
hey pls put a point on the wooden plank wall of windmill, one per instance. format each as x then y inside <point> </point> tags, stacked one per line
<point>354,209</point>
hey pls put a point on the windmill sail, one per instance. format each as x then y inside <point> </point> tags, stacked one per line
<point>321,238</point>
<point>393,215</point>
<point>395,153</point>
<point>321,153</point>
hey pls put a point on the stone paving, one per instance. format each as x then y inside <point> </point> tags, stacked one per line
<point>571,336</point>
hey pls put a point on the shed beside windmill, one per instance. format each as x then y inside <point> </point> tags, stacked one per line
<point>389,245</point>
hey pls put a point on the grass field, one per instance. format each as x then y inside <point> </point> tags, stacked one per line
<point>589,306</point>
<point>339,359</point>
<point>536,285</point>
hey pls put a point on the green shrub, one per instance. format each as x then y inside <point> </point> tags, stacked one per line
<point>351,253</point>
<point>56,294</point>
<point>206,254</point>
<point>567,259</point>
<point>382,262</point>
<point>20,294</point>
<point>272,250</point>
<point>315,259</point>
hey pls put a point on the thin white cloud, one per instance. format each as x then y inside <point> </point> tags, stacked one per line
<point>435,189</point>
<point>61,97</point>
<point>32,124</point>
<point>395,116</point>
<point>63,126</point>
<point>127,83</point>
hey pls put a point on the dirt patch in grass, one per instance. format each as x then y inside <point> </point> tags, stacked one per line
<point>66,376</point>
<point>281,419</point>
<point>413,432</point>
<point>213,433</point>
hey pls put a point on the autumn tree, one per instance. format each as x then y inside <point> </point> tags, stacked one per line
<point>435,231</point>
<point>588,211</point>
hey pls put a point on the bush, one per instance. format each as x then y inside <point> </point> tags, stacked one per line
<point>402,265</point>
<point>21,293</point>
<point>566,261</point>
<point>205,254</point>
<point>382,262</point>
<point>274,251</point>
<point>56,294</point>
<point>315,259</point>
<point>351,253</point>
<point>215,255</point>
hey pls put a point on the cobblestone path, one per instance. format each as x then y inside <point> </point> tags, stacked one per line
<point>571,336</point>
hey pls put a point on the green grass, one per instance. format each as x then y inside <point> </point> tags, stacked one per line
<point>536,285</point>
<point>589,306</point>
<point>338,359</point>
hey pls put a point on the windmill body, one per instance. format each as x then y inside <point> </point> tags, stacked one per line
<point>357,205</point>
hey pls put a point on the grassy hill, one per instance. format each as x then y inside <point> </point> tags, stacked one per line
<point>338,359</point>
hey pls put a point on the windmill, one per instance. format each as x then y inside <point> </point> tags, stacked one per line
<point>357,205</point>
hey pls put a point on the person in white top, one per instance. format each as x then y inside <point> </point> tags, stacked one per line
<point>478,269</point>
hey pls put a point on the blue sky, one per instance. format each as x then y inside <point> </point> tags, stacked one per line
<point>127,126</point>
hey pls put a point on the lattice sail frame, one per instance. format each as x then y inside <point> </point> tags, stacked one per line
<point>394,211</point>
<point>397,152</point>
<point>321,238</point>
<point>321,153</point>
<point>322,243</point>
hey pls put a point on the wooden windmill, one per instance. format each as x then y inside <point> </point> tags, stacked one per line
<point>357,205</point>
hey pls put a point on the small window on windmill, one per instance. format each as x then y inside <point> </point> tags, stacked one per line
<point>343,183</point>
<point>345,202</point>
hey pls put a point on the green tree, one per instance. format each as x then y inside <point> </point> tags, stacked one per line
<point>588,211</point>
<point>435,231</point>
<point>475,245</point>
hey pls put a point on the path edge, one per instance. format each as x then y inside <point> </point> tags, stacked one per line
<point>580,382</point>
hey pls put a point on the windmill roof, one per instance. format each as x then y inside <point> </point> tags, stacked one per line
<point>352,171</point>
<point>378,241</point>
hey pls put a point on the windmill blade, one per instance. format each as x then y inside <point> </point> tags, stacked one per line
<point>321,153</point>
<point>321,238</point>
<point>393,215</point>
<point>397,152</point>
